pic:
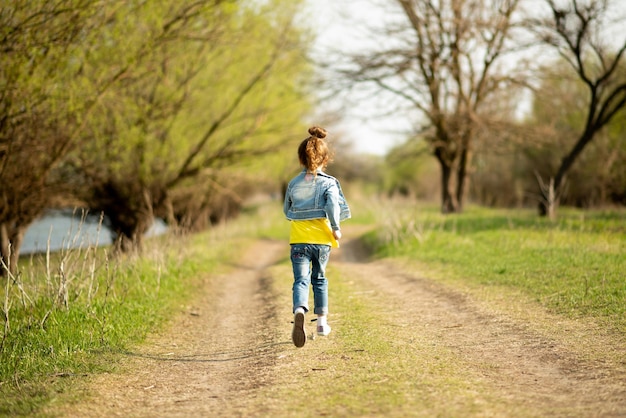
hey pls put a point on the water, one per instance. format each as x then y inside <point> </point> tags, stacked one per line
<point>60,229</point>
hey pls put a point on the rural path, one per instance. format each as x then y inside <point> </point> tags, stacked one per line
<point>220,352</point>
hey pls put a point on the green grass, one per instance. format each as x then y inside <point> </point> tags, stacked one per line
<point>574,266</point>
<point>49,341</point>
<point>48,344</point>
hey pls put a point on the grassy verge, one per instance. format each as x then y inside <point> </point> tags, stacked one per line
<point>573,266</point>
<point>71,314</point>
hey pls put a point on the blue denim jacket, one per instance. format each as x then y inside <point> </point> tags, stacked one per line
<point>313,197</point>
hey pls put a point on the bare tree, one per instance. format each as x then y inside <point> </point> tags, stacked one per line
<point>579,30</point>
<point>444,61</point>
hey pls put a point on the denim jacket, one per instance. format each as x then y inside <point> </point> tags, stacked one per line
<point>313,197</point>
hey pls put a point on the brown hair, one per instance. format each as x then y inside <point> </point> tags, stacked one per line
<point>313,152</point>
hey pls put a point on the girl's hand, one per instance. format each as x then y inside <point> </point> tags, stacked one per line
<point>337,234</point>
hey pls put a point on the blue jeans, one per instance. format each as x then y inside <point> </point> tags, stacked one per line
<point>309,266</point>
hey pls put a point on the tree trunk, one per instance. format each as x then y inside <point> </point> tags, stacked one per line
<point>462,177</point>
<point>569,159</point>
<point>553,191</point>
<point>4,249</point>
<point>551,200</point>
<point>549,197</point>
<point>10,243</point>
<point>132,243</point>
<point>129,236</point>
<point>447,197</point>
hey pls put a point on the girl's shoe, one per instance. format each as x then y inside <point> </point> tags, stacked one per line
<point>323,330</point>
<point>298,335</point>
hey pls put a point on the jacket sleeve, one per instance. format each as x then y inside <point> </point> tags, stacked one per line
<point>344,208</point>
<point>332,208</point>
<point>286,203</point>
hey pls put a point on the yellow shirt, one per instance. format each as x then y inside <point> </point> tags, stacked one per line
<point>312,231</point>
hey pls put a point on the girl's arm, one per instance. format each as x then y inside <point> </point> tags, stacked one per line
<point>332,207</point>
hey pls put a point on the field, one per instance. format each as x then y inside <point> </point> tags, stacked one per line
<point>575,266</point>
<point>488,313</point>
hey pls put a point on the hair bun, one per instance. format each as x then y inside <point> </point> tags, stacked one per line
<point>317,132</point>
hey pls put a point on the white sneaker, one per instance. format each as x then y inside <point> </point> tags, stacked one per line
<point>323,330</point>
<point>298,335</point>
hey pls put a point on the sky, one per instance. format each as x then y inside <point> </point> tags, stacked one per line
<point>339,22</point>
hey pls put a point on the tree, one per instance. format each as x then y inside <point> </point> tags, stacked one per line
<point>125,140</point>
<point>442,61</point>
<point>579,31</point>
<point>39,115</point>
<point>214,92</point>
<point>111,77</point>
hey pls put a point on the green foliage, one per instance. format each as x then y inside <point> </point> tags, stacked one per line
<point>115,104</point>
<point>411,171</point>
<point>574,266</point>
<point>223,91</point>
<point>173,105</point>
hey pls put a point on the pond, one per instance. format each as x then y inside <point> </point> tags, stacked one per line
<point>60,229</point>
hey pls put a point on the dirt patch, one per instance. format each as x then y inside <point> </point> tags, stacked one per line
<point>221,350</point>
<point>518,360</point>
<point>522,352</point>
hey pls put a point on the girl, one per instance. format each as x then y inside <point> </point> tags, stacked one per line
<point>315,205</point>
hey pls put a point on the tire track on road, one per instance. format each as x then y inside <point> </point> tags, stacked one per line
<point>518,361</point>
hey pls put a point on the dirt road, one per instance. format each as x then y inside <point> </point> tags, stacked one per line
<point>233,341</point>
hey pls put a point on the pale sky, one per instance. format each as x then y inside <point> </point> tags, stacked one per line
<point>341,23</point>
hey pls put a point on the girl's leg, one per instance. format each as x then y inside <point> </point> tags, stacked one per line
<point>318,278</point>
<point>301,264</point>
